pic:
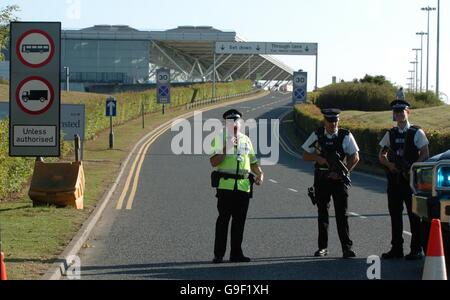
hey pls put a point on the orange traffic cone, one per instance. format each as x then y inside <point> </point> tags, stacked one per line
<point>2,267</point>
<point>435,261</point>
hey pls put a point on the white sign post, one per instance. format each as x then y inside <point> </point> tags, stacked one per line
<point>35,98</point>
<point>300,94</point>
<point>163,87</point>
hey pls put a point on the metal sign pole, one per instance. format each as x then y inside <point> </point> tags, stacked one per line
<point>111,133</point>
<point>143,113</point>
<point>317,67</point>
<point>214,77</point>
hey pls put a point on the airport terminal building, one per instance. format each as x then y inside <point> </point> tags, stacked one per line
<point>121,55</point>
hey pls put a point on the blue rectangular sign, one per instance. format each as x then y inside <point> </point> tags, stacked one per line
<point>111,108</point>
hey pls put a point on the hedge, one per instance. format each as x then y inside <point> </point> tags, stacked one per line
<point>308,118</point>
<point>368,97</point>
<point>15,172</point>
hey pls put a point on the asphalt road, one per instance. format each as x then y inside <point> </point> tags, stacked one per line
<point>169,231</point>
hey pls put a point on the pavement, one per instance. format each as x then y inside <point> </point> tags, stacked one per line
<point>168,230</point>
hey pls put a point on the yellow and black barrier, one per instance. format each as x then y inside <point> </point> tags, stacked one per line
<point>60,184</point>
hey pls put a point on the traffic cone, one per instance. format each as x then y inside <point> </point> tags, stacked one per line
<point>2,267</point>
<point>435,261</point>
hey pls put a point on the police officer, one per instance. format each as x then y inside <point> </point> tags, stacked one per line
<point>328,183</point>
<point>402,146</point>
<point>400,94</point>
<point>234,158</point>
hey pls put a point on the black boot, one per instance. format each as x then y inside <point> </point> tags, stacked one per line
<point>414,255</point>
<point>321,253</point>
<point>393,254</point>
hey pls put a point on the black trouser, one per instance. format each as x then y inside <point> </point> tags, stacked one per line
<point>399,192</point>
<point>325,189</point>
<point>234,205</point>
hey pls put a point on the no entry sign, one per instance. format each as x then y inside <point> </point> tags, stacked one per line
<point>35,97</point>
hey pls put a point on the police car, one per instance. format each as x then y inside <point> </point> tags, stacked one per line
<point>430,182</point>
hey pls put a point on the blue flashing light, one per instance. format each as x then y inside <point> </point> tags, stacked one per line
<point>443,177</point>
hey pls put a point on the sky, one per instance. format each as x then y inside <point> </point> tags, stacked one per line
<point>355,37</point>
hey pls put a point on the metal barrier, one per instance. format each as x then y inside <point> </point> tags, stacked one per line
<point>217,99</point>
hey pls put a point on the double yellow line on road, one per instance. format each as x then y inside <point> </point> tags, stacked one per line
<point>136,169</point>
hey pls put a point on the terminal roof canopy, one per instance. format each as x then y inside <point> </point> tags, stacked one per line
<point>189,50</point>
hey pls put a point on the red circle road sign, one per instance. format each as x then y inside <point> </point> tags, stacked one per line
<point>35,95</point>
<point>35,48</point>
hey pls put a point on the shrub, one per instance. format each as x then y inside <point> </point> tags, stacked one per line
<point>356,96</point>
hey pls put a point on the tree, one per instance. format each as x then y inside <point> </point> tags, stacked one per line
<point>378,80</point>
<point>6,16</point>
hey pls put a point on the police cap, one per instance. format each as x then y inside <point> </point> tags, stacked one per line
<point>232,114</point>
<point>399,105</point>
<point>331,114</point>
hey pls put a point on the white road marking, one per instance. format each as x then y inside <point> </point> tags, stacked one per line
<point>273,181</point>
<point>357,215</point>
<point>407,233</point>
<point>292,190</point>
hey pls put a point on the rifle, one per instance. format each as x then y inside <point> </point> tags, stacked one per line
<point>400,163</point>
<point>336,165</point>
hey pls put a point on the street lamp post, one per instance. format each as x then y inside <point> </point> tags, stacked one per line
<point>428,9</point>
<point>414,75</point>
<point>412,79</point>
<point>421,58</point>
<point>67,69</point>
<point>408,84</point>
<point>417,68</point>
<point>437,54</point>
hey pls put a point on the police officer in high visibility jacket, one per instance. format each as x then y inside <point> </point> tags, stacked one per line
<point>402,146</point>
<point>234,159</point>
<point>326,141</point>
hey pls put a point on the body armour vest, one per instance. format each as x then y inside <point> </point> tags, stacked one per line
<point>403,146</point>
<point>332,145</point>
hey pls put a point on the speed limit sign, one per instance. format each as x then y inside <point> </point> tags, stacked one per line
<point>163,86</point>
<point>300,94</point>
<point>299,79</point>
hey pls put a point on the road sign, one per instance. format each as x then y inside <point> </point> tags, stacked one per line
<point>163,86</point>
<point>300,93</point>
<point>35,48</point>
<point>291,48</point>
<point>111,107</point>
<point>73,121</point>
<point>35,97</point>
<point>240,48</point>
<point>267,48</point>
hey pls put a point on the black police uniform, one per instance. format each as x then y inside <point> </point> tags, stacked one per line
<point>403,151</point>
<point>325,188</point>
<point>231,205</point>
